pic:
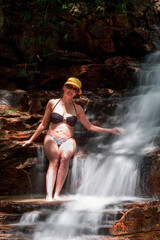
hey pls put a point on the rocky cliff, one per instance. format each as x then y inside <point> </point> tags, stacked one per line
<point>42,43</point>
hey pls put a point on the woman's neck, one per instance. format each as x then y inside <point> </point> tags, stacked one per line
<point>66,100</point>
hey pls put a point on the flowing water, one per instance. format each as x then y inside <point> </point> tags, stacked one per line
<point>111,176</point>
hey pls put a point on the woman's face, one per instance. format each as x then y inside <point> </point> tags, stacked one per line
<point>70,90</point>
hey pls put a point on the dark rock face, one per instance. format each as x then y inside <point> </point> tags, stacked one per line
<point>40,46</point>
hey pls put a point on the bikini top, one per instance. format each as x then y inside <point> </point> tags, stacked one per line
<point>57,118</point>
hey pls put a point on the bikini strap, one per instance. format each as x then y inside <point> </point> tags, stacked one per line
<point>57,103</point>
<point>74,107</point>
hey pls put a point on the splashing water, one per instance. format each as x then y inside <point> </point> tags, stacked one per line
<point>29,218</point>
<point>112,176</point>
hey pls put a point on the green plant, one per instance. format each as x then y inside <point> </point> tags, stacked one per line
<point>67,6</point>
<point>7,111</point>
<point>66,37</point>
<point>77,22</point>
<point>29,75</point>
<point>26,15</point>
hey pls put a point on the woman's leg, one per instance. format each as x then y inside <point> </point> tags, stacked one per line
<point>66,150</point>
<point>52,153</point>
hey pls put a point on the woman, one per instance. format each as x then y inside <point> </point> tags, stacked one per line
<point>61,115</point>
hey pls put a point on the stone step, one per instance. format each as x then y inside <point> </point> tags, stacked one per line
<point>80,230</point>
<point>111,215</point>
<point>23,229</point>
<point>11,218</point>
<point>6,218</point>
<point>20,225</point>
<point>9,232</point>
<point>106,217</point>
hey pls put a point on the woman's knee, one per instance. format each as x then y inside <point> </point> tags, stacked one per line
<point>64,161</point>
<point>54,163</point>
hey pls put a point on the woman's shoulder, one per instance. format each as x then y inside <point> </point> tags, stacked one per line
<point>78,107</point>
<point>53,101</point>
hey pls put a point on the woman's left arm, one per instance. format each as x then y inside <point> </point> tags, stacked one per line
<point>90,127</point>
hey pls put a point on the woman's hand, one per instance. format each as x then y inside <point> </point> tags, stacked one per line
<point>116,131</point>
<point>24,143</point>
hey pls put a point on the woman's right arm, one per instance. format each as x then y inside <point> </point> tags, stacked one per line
<point>42,126</point>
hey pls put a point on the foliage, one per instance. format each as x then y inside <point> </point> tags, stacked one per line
<point>12,110</point>
<point>8,111</point>
<point>42,38</point>
<point>26,15</point>
<point>29,75</point>
<point>97,5</point>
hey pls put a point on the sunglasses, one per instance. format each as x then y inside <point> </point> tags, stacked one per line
<point>70,87</point>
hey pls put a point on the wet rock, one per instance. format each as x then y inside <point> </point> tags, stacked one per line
<point>139,218</point>
<point>14,99</point>
<point>154,159</point>
<point>9,218</point>
<point>21,205</point>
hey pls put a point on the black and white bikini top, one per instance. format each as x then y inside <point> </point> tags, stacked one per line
<point>58,118</point>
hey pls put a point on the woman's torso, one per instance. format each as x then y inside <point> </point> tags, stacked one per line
<point>63,119</point>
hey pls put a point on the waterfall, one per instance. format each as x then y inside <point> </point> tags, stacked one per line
<point>113,174</point>
<point>40,171</point>
<point>116,171</point>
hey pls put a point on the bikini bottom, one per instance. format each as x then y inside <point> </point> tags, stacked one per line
<point>59,141</point>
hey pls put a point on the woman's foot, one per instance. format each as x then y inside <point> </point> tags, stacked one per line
<point>49,199</point>
<point>57,197</point>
